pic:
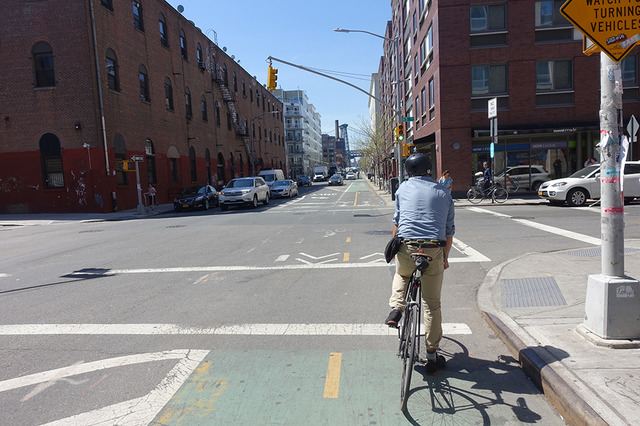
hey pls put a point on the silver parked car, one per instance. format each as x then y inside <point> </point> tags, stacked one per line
<point>244,191</point>
<point>284,188</point>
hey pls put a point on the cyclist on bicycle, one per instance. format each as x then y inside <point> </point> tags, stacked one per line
<point>488,179</point>
<point>424,219</point>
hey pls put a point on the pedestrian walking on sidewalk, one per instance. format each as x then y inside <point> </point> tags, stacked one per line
<point>423,219</point>
<point>446,180</point>
<point>152,196</point>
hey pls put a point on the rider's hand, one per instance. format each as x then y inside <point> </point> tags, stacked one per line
<point>446,263</point>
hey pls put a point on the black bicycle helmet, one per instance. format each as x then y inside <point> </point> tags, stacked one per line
<point>418,165</point>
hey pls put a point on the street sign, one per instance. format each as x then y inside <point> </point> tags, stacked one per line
<point>589,47</point>
<point>407,118</point>
<point>632,128</point>
<point>137,158</point>
<point>614,29</point>
<point>492,106</point>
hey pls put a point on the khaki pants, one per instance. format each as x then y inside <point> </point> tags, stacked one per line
<point>431,289</point>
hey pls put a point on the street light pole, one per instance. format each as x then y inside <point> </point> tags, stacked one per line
<point>253,160</point>
<point>397,114</point>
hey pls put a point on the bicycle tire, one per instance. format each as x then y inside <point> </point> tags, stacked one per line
<point>409,357</point>
<point>474,195</point>
<point>500,195</point>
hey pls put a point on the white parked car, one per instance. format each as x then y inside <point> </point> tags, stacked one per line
<point>520,174</point>
<point>350,176</point>
<point>244,191</point>
<point>585,184</point>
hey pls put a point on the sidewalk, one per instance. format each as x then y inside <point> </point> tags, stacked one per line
<point>536,304</point>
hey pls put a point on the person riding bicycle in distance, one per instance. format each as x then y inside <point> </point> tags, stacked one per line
<point>423,219</point>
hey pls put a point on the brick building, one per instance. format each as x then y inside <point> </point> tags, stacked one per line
<point>87,84</point>
<point>455,55</point>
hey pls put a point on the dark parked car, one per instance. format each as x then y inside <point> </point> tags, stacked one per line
<point>304,181</point>
<point>336,179</point>
<point>194,197</point>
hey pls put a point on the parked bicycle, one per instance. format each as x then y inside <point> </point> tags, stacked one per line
<point>495,192</point>
<point>409,330</point>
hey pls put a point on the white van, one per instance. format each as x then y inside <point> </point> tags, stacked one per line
<point>271,176</point>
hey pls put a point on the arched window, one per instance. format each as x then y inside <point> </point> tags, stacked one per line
<point>187,102</point>
<point>207,163</point>
<point>218,114</point>
<point>235,82</point>
<point>162,23</point>
<point>168,94</point>
<point>192,163</point>
<point>113,80</point>
<point>232,165</point>
<point>51,158</point>
<point>151,161</point>
<point>221,176</point>
<point>183,46</point>
<point>224,74</point>
<point>43,70</point>
<point>120,149</point>
<point>203,108</point>
<point>137,15</point>
<point>144,83</point>
<point>199,57</point>
<point>174,156</point>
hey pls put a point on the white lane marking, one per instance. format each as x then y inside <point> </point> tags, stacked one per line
<point>282,258</point>
<point>546,228</point>
<point>141,410</point>
<point>319,257</point>
<point>4,275</point>
<point>472,255</point>
<point>238,329</point>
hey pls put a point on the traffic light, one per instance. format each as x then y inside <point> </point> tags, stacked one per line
<point>408,149</point>
<point>400,132</point>
<point>272,77</point>
<point>395,133</point>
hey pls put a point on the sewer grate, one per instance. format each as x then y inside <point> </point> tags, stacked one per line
<point>531,292</point>
<point>595,252</point>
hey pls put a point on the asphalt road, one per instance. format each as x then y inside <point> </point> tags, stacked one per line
<point>265,316</point>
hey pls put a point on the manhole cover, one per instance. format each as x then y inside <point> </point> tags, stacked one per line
<point>378,232</point>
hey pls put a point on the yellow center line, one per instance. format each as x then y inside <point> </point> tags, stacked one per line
<point>332,383</point>
<point>356,200</point>
<point>346,257</point>
<point>348,239</point>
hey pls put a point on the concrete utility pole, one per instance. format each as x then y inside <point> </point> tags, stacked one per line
<point>612,307</point>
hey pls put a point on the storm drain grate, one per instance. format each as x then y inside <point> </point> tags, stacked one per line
<point>531,292</point>
<point>595,252</point>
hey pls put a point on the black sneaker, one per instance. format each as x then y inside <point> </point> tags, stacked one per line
<point>434,366</point>
<point>394,318</point>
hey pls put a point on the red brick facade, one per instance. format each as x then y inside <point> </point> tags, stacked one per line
<point>186,148</point>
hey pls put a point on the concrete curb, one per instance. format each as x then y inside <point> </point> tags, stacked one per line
<point>574,409</point>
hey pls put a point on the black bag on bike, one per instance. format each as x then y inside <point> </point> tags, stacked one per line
<point>392,248</point>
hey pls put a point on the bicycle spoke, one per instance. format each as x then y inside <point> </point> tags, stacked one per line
<point>474,195</point>
<point>410,353</point>
<point>500,195</point>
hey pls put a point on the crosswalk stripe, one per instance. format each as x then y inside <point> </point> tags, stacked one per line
<point>237,329</point>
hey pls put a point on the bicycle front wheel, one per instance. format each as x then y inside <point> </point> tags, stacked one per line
<point>500,195</point>
<point>474,195</point>
<point>409,355</point>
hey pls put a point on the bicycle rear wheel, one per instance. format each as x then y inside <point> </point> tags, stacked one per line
<point>474,195</point>
<point>500,195</point>
<point>409,354</point>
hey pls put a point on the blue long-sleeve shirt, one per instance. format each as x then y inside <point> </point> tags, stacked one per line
<point>424,210</point>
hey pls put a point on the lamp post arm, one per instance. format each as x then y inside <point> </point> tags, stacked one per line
<point>332,78</point>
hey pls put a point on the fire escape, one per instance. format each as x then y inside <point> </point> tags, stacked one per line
<point>220,77</point>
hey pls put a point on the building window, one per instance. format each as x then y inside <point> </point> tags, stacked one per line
<point>187,102</point>
<point>629,66</point>
<point>251,95</point>
<point>192,164</point>
<point>203,108</point>
<point>107,3</point>
<point>51,158</point>
<point>113,82</point>
<point>432,100</point>
<point>137,15</point>
<point>229,127</point>
<point>217,114</point>
<point>554,83</point>
<point>244,89</point>
<point>426,51</point>
<point>183,46</point>
<point>235,82</point>
<point>173,165</point>
<point>151,161</point>
<point>199,57</point>
<point>43,65</point>
<point>164,39</point>
<point>488,81</point>
<point>144,83</point>
<point>168,94</point>
<point>551,25</point>
<point>488,25</point>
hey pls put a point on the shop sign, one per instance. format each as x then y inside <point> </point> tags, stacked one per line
<point>549,145</point>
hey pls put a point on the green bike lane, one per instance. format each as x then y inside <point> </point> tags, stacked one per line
<point>283,387</point>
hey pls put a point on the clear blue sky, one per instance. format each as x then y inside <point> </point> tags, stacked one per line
<point>301,32</point>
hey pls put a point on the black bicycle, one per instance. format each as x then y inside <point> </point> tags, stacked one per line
<point>409,330</point>
<point>497,193</point>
